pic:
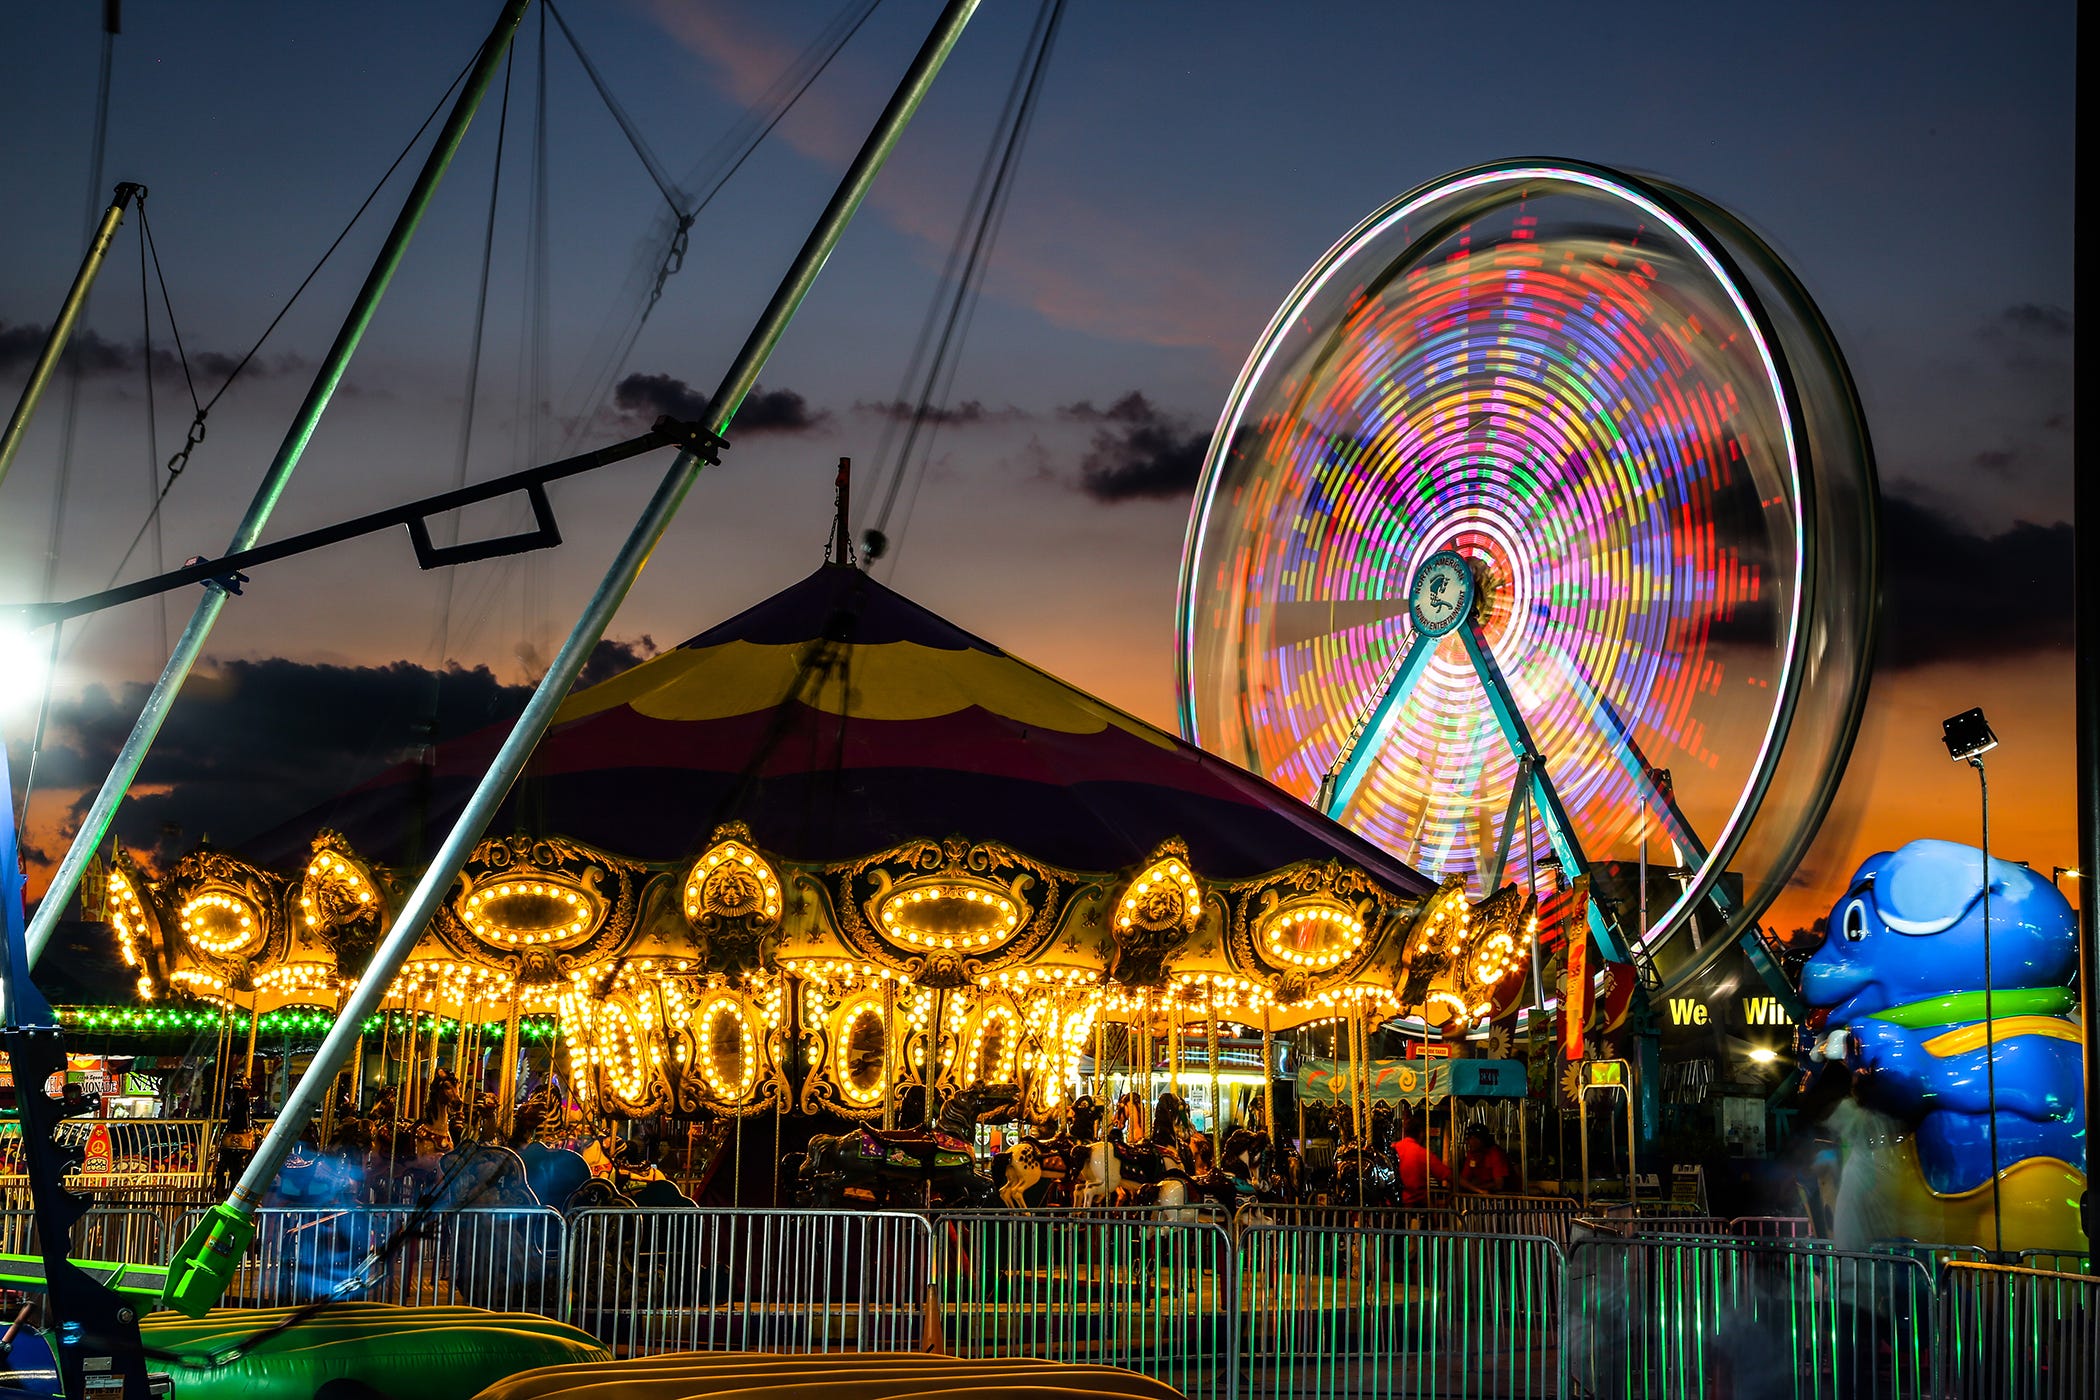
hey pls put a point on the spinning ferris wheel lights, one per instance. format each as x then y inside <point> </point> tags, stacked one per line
<point>1543,478</point>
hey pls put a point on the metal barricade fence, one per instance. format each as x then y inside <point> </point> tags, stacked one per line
<point>1661,1318</point>
<point>1142,1290</point>
<point>1933,1257</point>
<point>1350,1217</point>
<point>1547,1217</point>
<point>2055,1261</point>
<point>1328,1313</point>
<point>709,1279</point>
<point>2009,1333</point>
<point>507,1259</point>
<point>120,1235</point>
<point>1772,1227</point>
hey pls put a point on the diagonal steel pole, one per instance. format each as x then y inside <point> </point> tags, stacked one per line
<point>201,1269</point>
<point>62,325</point>
<point>191,644</point>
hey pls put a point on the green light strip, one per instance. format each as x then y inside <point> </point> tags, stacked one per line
<point>175,1020</point>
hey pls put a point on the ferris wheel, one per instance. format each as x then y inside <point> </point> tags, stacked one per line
<point>1540,528</point>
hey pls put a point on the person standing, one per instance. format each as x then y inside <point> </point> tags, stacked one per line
<point>1485,1168</point>
<point>1418,1165</point>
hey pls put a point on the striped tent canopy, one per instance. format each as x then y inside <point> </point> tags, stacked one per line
<point>839,718</point>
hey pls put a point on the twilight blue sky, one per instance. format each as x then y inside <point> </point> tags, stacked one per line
<point>1187,163</point>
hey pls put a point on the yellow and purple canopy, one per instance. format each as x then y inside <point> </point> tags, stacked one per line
<point>838,718</point>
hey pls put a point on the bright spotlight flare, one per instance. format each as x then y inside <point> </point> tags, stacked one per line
<point>25,662</point>
<point>1601,436</point>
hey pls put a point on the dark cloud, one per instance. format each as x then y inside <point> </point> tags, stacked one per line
<point>964,414</point>
<point>2034,319</point>
<point>21,344</point>
<point>254,743</point>
<point>1140,452</point>
<point>1954,594</point>
<point>646,397</point>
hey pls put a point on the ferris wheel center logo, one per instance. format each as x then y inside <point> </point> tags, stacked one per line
<point>1441,597</point>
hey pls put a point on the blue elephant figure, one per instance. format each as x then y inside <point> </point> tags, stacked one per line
<point>1901,975</point>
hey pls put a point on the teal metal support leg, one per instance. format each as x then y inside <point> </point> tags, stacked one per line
<point>1353,764</point>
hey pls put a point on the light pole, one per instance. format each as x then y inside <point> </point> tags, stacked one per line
<point>1968,738</point>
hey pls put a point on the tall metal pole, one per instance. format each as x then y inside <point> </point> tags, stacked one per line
<point>191,644</point>
<point>1990,1024</point>
<point>202,1268</point>
<point>2085,542</point>
<point>62,327</point>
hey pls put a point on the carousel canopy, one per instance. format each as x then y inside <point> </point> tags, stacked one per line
<point>838,718</point>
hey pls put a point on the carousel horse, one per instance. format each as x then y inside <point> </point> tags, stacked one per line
<point>906,1164</point>
<point>1158,1166</point>
<point>1042,1168</point>
<point>1242,1178</point>
<point>1366,1173</point>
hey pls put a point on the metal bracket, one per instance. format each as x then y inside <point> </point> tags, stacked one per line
<point>545,534</point>
<point>691,437</point>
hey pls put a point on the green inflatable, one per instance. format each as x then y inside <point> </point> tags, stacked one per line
<point>356,1350</point>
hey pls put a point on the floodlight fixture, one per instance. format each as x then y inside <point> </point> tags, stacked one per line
<point>1968,735</point>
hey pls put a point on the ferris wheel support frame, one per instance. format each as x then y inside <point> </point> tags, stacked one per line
<point>1353,764</point>
<point>1367,739</point>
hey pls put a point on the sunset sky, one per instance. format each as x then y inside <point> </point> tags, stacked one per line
<point>1187,163</point>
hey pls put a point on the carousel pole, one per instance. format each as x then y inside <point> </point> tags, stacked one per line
<point>1144,1098</point>
<point>190,646</point>
<point>218,1061</point>
<point>507,1077</point>
<point>1268,1081</point>
<point>1359,1104</point>
<point>411,1063</point>
<point>1173,1042</point>
<point>889,1052</point>
<point>248,1064</point>
<point>437,1027</point>
<point>1217,1109</point>
<point>357,1075</point>
<point>1101,1052</point>
<point>203,1267</point>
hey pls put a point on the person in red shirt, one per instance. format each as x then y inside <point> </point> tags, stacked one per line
<point>1485,1168</point>
<point>1418,1165</point>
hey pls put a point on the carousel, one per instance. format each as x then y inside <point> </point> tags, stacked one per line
<point>839,857</point>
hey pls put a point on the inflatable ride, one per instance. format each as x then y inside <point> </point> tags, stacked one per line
<point>1900,997</point>
<point>356,1350</point>
<point>864,1376</point>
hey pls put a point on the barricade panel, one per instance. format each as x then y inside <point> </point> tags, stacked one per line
<point>1143,1290</point>
<point>707,1279</point>
<point>2011,1333</point>
<point>1330,1313</point>
<point>1666,1317</point>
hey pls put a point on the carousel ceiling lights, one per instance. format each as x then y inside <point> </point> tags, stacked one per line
<point>730,1085</point>
<point>1002,1069</point>
<point>220,923</point>
<point>949,916</point>
<point>858,1093</point>
<point>1164,895</point>
<point>328,868</point>
<point>523,910</point>
<point>127,915</point>
<point>732,881</point>
<point>1312,936</point>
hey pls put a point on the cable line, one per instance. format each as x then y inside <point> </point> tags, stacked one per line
<point>709,177</point>
<point>974,238</point>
